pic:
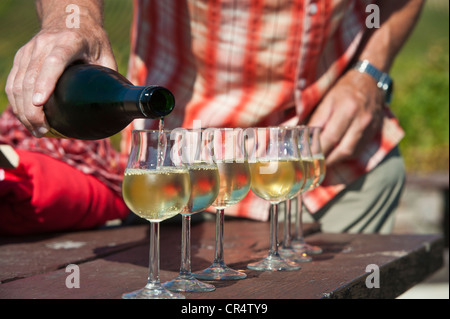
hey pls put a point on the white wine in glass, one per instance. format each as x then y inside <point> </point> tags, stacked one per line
<point>234,183</point>
<point>234,175</point>
<point>157,194</point>
<point>318,158</point>
<point>274,165</point>
<point>277,185</point>
<point>156,187</point>
<point>287,250</point>
<point>204,177</point>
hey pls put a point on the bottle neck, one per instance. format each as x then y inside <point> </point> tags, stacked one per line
<point>150,102</point>
<point>156,101</point>
<point>131,101</point>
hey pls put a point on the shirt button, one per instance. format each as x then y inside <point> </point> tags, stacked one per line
<point>302,83</point>
<point>312,9</point>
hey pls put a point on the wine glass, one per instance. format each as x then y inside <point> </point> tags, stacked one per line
<point>319,174</point>
<point>204,176</point>
<point>274,163</point>
<point>318,156</point>
<point>230,156</point>
<point>306,176</point>
<point>156,187</point>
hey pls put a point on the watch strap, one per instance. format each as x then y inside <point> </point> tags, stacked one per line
<point>383,80</point>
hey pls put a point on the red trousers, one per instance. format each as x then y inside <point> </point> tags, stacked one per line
<point>44,195</point>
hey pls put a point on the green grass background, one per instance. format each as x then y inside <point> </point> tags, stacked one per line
<point>421,72</point>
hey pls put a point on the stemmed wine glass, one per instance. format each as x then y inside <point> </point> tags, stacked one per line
<point>319,174</point>
<point>197,153</point>
<point>274,167</point>
<point>155,187</point>
<point>287,250</point>
<point>230,156</point>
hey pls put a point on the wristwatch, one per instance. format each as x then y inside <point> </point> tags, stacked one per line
<point>384,81</point>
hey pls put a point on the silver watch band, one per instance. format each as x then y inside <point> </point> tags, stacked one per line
<point>384,81</point>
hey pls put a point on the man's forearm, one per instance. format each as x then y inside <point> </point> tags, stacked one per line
<point>53,12</point>
<point>398,18</point>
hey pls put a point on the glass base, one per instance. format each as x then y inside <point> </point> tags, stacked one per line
<point>274,263</point>
<point>307,248</point>
<point>219,272</point>
<point>188,284</point>
<point>296,256</point>
<point>152,292</point>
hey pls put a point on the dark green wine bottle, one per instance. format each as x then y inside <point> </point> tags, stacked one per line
<point>92,102</point>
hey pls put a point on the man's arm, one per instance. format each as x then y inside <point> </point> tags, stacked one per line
<point>352,111</point>
<point>40,62</point>
<point>398,19</point>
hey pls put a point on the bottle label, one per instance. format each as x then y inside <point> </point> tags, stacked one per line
<point>54,133</point>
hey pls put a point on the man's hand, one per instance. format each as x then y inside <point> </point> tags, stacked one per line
<point>352,111</point>
<point>40,62</point>
<point>350,114</point>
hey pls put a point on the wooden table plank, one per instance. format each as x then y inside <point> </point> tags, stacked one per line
<point>340,272</point>
<point>24,256</point>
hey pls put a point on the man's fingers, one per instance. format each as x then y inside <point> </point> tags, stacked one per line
<point>347,145</point>
<point>333,123</point>
<point>10,81</point>
<point>33,111</point>
<point>53,66</point>
<point>19,87</point>
<point>358,133</point>
<point>108,61</point>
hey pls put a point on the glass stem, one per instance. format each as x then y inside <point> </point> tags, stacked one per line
<point>287,224</point>
<point>185,269</point>
<point>153,275</point>
<point>218,257</point>
<point>273,249</point>
<point>298,221</point>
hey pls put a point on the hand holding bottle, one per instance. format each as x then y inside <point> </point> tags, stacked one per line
<point>40,62</point>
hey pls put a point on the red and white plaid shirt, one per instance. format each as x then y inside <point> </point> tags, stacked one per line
<point>248,63</point>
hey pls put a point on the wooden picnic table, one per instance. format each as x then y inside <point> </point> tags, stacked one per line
<point>114,260</point>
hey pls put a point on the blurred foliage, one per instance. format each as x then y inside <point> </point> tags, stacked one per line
<point>421,100</point>
<point>421,73</point>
